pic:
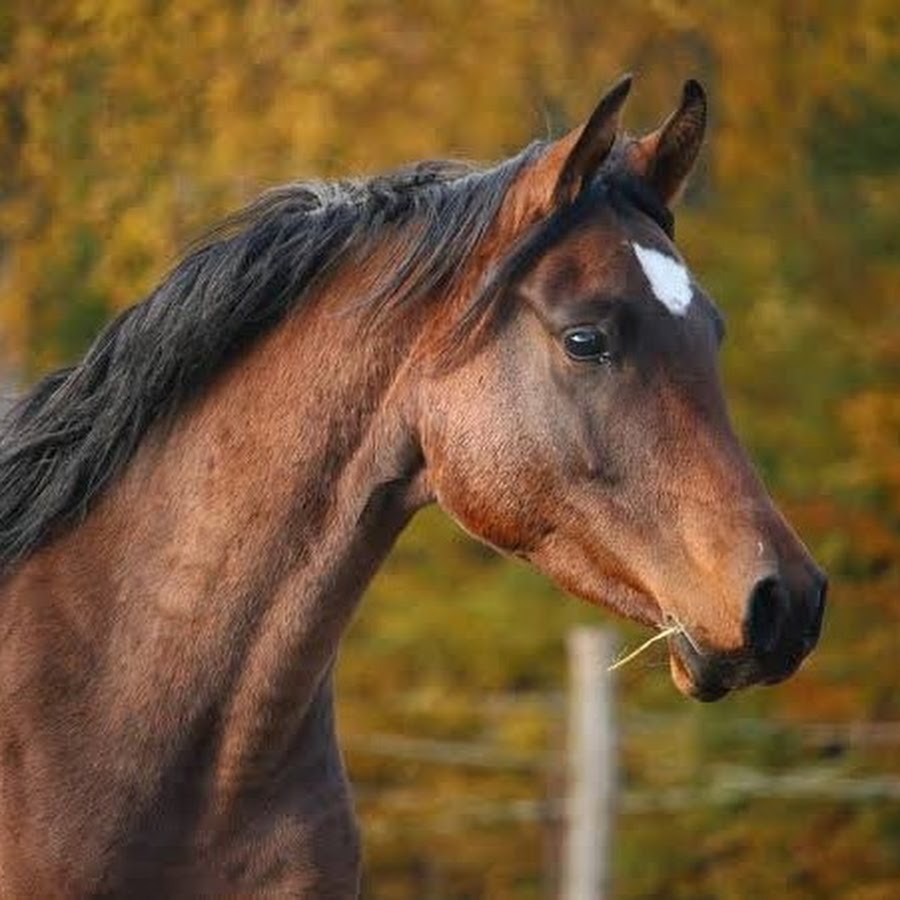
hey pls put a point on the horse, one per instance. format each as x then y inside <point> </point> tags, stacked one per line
<point>190,513</point>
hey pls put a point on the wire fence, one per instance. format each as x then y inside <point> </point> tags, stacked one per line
<point>486,755</point>
<point>722,785</point>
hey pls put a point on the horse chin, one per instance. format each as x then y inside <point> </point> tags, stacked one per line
<point>687,673</point>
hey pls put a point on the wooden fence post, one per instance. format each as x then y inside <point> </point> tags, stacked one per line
<point>591,778</point>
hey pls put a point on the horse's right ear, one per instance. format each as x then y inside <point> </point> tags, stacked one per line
<point>569,164</point>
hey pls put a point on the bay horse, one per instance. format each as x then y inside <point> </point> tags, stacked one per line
<point>189,515</point>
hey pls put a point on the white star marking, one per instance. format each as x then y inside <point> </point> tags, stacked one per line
<point>669,279</point>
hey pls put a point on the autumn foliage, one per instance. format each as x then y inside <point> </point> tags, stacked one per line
<point>128,126</point>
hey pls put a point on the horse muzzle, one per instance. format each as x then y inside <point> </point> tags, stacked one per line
<point>782,625</point>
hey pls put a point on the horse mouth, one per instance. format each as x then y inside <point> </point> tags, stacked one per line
<point>695,674</point>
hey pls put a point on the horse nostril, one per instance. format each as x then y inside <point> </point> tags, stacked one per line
<point>766,613</point>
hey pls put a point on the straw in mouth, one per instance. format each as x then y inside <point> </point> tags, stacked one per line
<point>665,633</point>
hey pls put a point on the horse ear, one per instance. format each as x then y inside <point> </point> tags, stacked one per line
<point>588,146</point>
<point>568,164</point>
<point>666,156</point>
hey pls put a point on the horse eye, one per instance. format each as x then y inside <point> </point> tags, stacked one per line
<point>587,344</point>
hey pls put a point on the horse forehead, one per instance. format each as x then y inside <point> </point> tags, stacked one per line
<point>619,262</point>
<point>586,260</point>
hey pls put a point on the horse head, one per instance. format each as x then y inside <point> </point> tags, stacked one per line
<point>588,433</point>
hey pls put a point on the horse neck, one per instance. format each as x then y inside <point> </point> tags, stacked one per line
<point>216,578</point>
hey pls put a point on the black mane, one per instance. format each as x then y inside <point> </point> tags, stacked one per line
<point>65,441</point>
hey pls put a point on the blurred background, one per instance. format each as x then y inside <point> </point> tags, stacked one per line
<point>129,126</point>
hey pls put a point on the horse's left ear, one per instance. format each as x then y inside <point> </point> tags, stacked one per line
<point>666,156</point>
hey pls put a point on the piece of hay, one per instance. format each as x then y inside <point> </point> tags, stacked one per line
<point>666,632</point>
